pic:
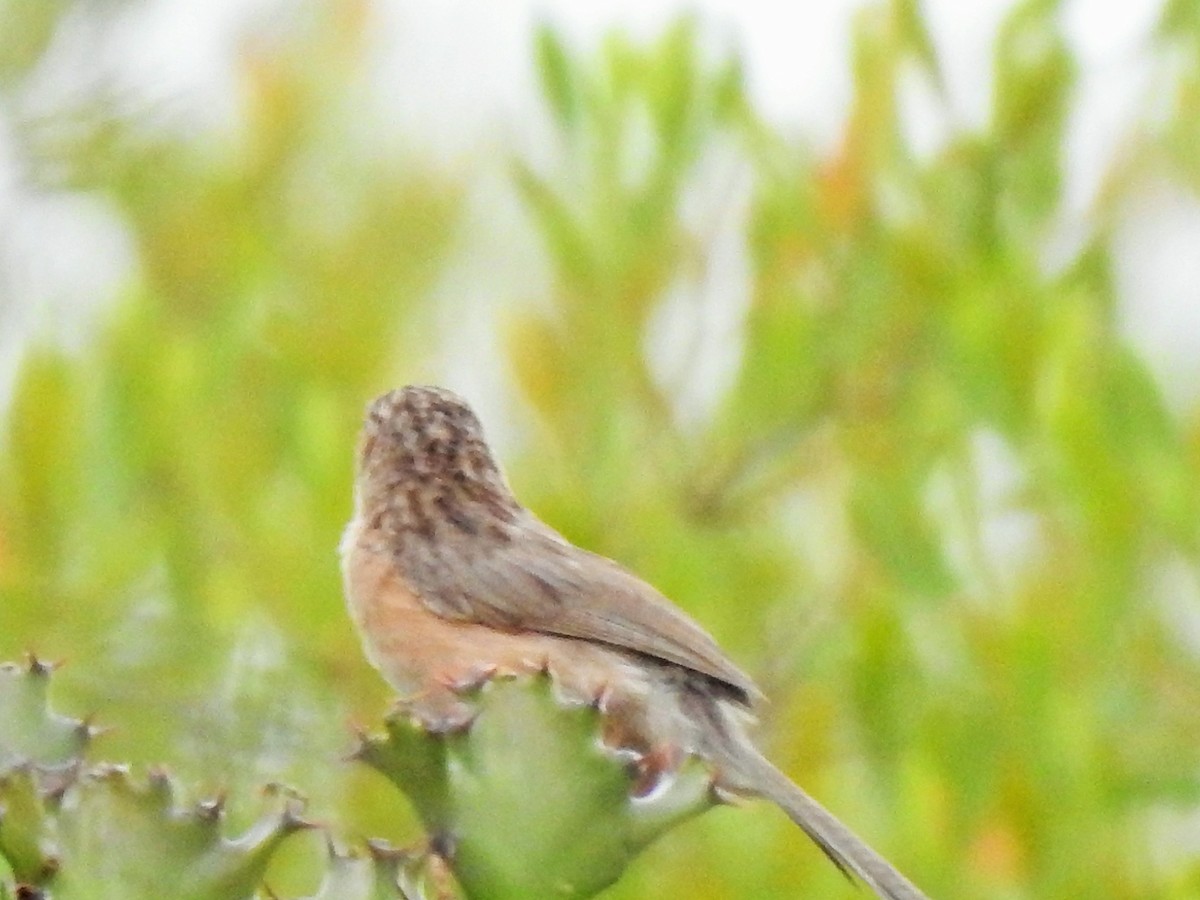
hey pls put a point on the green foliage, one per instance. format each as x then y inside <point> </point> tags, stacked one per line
<point>123,837</point>
<point>532,802</point>
<point>97,832</point>
<point>920,483</point>
<point>30,732</point>
<point>40,753</point>
<point>26,828</point>
<point>379,873</point>
<point>525,794</point>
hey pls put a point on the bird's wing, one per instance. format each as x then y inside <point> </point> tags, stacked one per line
<point>535,580</point>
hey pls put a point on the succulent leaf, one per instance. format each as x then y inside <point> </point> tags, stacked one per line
<point>127,838</point>
<point>528,801</point>
<point>26,828</point>
<point>380,872</point>
<point>29,730</point>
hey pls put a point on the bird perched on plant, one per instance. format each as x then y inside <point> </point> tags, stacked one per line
<point>450,581</point>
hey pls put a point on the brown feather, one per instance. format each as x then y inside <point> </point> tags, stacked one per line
<point>472,553</point>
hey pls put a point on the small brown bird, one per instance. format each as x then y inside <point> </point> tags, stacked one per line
<point>450,580</point>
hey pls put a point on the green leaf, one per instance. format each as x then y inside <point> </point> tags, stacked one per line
<point>26,29</point>
<point>890,520</point>
<point>560,228</point>
<point>131,839</point>
<point>672,88</point>
<point>559,77</point>
<point>29,730</point>
<point>528,798</point>
<point>1180,18</point>
<point>27,833</point>
<point>379,873</point>
<point>1034,77</point>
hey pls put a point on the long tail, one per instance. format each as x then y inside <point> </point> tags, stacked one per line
<point>744,769</point>
<point>838,842</point>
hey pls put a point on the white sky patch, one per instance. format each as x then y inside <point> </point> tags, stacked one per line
<point>694,340</point>
<point>500,267</point>
<point>925,120</point>
<point>1158,279</point>
<point>964,36</point>
<point>1176,586</point>
<point>1006,538</point>
<point>1114,79</point>
<point>184,55</point>
<point>449,72</point>
<point>63,257</point>
<point>797,59</point>
<point>1105,33</point>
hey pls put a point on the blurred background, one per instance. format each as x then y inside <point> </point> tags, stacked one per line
<point>869,332</point>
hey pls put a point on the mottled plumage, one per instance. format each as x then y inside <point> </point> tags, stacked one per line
<point>449,578</point>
